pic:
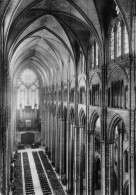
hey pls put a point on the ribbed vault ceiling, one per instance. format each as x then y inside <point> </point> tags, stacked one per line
<point>43,34</point>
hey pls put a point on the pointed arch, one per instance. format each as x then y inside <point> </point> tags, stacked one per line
<point>93,120</point>
<point>118,71</point>
<point>96,78</point>
<point>82,118</point>
<point>116,119</point>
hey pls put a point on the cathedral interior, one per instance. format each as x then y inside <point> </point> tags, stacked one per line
<point>67,97</point>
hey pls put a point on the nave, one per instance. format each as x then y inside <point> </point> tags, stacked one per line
<point>33,174</point>
<point>68,85</point>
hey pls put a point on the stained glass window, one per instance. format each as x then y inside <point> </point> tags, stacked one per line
<point>92,56</point>
<point>118,40</point>
<point>97,125</point>
<point>97,55</point>
<point>126,46</point>
<point>112,45</point>
<point>28,89</point>
<point>28,77</point>
<point>117,9</point>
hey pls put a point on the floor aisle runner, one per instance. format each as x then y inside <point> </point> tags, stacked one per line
<point>36,183</point>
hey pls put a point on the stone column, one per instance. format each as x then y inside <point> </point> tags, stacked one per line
<point>61,130</point>
<point>42,113</point>
<point>62,147</point>
<point>104,131</point>
<point>68,128</point>
<point>57,128</point>
<point>58,145</point>
<point>60,152</point>
<point>103,170</point>
<point>78,161</point>
<point>120,160</point>
<point>91,163</point>
<point>68,157</point>
<point>43,129</point>
<point>89,51</point>
<point>86,163</point>
<point>75,160</point>
<point>53,140</point>
<point>47,134</point>
<point>56,135</point>
<point>111,97</point>
<point>132,161</point>
<point>111,167</point>
<point>13,119</point>
<point>119,94</point>
<point>76,120</point>
<point>75,136</point>
<point>51,130</point>
<point>124,97</point>
<point>132,101</point>
<point>104,137</point>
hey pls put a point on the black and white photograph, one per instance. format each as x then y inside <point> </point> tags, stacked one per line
<point>67,97</point>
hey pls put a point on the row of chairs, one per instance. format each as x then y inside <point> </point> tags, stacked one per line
<point>57,187</point>
<point>27,175</point>
<point>17,186</point>
<point>42,178</point>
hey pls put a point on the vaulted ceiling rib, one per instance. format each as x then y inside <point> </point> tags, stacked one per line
<point>43,34</point>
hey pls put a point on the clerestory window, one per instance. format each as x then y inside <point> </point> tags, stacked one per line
<point>95,55</point>
<point>118,41</point>
<point>112,45</point>
<point>126,45</point>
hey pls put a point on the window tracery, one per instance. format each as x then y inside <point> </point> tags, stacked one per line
<point>94,55</point>
<point>118,41</point>
<point>95,95</point>
<point>118,95</point>
<point>82,63</point>
<point>28,89</point>
<point>97,136</point>
<point>126,46</point>
<point>112,44</point>
<point>97,55</point>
